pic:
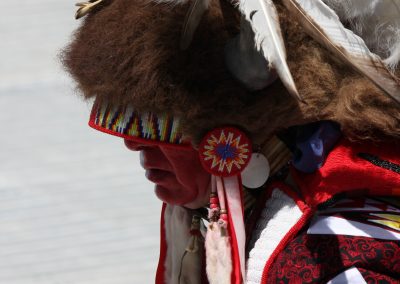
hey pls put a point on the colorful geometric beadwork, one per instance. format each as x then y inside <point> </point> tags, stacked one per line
<point>127,123</point>
<point>225,151</point>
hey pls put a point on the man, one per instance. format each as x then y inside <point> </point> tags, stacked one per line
<point>204,88</point>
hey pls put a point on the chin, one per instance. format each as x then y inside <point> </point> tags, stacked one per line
<point>198,201</point>
<point>177,197</point>
<point>171,196</point>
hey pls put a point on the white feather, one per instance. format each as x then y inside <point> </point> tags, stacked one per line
<point>263,16</point>
<point>377,22</point>
<point>393,60</point>
<point>321,22</point>
<point>192,21</point>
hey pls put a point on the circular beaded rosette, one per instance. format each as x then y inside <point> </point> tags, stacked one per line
<point>225,151</point>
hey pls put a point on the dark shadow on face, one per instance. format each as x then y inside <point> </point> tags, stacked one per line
<point>177,173</point>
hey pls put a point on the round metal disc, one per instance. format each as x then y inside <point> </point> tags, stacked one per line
<point>257,171</point>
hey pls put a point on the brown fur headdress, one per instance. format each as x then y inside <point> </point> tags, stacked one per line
<point>127,52</point>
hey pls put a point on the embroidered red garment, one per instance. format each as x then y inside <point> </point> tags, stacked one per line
<point>357,170</point>
<point>364,169</point>
<point>319,258</point>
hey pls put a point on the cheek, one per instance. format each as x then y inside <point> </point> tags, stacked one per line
<point>188,169</point>
<point>169,189</point>
<point>190,173</point>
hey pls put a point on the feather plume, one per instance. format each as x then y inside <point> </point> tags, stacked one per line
<point>377,22</point>
<point>263,16</point>
<point>324,25</point>
<point>192,21</point>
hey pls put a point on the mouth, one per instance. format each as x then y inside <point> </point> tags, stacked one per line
<point>166,187</point>
<point>157,176</point>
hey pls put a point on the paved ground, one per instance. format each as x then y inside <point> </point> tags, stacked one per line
<point>74,205</point>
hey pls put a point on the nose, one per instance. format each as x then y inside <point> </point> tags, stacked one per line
<point>134,146</point>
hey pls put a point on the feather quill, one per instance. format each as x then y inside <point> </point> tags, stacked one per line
<point>263,16</point>
<point>377,22</point>
<point>192,21</point>
<point>323,24</point>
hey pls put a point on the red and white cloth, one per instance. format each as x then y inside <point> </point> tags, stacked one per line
<point>340,225</point>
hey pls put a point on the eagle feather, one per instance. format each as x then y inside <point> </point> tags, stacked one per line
<point>324,25</point>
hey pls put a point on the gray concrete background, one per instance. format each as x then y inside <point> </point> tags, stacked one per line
<point>74,204</point>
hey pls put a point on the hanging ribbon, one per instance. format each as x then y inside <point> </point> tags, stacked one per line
<point>225,153</point>
<point>234,200</point>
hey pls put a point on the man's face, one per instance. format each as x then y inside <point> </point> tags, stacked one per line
<point>177,173</point>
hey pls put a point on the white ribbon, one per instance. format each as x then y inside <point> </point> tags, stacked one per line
<point>235,210</point>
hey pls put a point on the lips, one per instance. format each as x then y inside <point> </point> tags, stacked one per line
<point>167,187</point>
<point>157,176</point>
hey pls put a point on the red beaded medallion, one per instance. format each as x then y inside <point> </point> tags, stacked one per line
<point>225,151</point>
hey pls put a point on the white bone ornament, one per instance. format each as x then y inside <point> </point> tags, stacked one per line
<point>257,171</point>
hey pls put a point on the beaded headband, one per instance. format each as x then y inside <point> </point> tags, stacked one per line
<point>146,127</point>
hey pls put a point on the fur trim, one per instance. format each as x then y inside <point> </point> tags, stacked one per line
<point>218,255</point>
<point>173,2</point>
<point>128,52</point>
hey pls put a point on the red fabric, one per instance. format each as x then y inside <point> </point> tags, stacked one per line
<point>319,258</point>
<point>236,277</point>
<point>160,274</point>
<point>345,171</point>
<point>373,277</point>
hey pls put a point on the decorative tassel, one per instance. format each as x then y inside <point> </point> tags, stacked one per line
<point>218,251</point>
<point>193,244</point>
<point>218,248</point>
